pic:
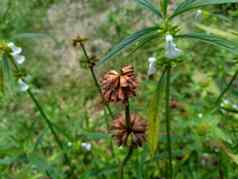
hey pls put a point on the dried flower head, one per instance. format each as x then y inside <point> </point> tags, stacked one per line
<point>77,40</point>
<point>134,136</point>
<point>119,86</point>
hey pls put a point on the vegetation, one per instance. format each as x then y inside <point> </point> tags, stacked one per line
<point>167,110</point>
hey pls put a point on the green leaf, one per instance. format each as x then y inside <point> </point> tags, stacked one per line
<point>164,6</point>
<point>191,4</point>
<point>147,4</point>
<point>214,40</point>
<point>7,74</point>
<point>127,42</point>
<point>154,115</point>
<point>1,79</point>
<point>213,30</point>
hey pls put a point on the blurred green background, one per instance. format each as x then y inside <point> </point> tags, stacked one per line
<point>45,29</point>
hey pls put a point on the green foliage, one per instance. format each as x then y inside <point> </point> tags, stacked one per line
<point>188,5</point>
<point>155,115</point>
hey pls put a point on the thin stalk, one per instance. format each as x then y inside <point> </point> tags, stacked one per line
<point>130,150</point>
<point>124,162</point>
<point>227,87</point>
<point>48,122</point>
<point>225,90</point>
<point>127,115</point>
<point>93,74</point>
<point>168,121</point>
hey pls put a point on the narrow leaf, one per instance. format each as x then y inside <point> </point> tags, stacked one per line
<point>147,4</point>
<point>214,40</point>
<point>164,6</point>
<point>213,30</point>
<point>154,116</point>
<point>191,4</point>
<point>1,78</point>
<point>127,42</point>
<point>8,76</point>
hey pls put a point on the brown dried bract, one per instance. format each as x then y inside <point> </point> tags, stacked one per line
<point>134,136</point>
<point>119,86</point>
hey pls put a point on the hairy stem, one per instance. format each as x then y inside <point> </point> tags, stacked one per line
<point>168,121</point>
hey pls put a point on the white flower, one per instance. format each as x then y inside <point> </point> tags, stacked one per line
<point>200,115</point>
<point>171,51</point>
<point>23,86</point>
<point>226,101</point>
<point>198,14</point>
<point>16,53</point>
<point>235,106</point>
<point>152,66</point>
<point>69,144</point>
<point>86,146</point>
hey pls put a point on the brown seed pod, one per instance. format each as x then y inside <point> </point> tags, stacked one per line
<point>133,135</point>
<point>119,86</point>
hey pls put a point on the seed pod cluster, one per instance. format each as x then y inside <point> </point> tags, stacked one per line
<point>134,136</point>
<point>118,87</point>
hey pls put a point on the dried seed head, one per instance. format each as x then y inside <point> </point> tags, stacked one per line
<point>134,136</point>
<point>77,40</point>
<point>119,86</point>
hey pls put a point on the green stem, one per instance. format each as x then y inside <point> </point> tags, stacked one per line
<point>127,114</point>
<point>168,127</point>
<point>124,162</point>
<point>48,122</point>
<point>227,87</point>
<point>50,126</point>
<point>128,125</point>
<point>93,74</point>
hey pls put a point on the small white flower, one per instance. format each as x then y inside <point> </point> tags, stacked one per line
<point>15,50</point>
<point>23,86</point>
<point>235,106</point>
<point>200,115</point>
<point>171,51</point>
<point>198,14</point>
<point>86,146</point>
<point>152,66</point>
<point>222,105</point>
<point>16,53</point>
<point>226,102</point>
<point>19,59</point>
<point>69,144</point>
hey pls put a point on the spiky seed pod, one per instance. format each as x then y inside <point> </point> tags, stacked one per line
<point>119,86</point>
<point>134,136</point>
